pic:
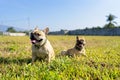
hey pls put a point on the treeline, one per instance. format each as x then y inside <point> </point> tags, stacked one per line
<point>108,29</point>
<point>13,30</point>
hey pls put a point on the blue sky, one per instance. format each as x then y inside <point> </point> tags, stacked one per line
<point>57,14</point>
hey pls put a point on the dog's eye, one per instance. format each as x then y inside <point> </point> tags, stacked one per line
<point>38,34</point>
<point>80,42</point>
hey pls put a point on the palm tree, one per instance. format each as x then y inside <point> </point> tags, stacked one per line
<point>110,19</point>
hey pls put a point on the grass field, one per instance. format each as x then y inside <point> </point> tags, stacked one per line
<point>102,63</point>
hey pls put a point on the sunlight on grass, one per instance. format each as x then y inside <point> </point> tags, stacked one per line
<point>102,63</point>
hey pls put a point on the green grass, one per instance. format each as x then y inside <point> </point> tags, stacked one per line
<point>102,63</point>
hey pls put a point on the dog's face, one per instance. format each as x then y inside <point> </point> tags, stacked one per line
<point>80,43</point>
<point>38,37</point>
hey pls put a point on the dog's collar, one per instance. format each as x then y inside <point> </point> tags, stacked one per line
<point>39,46</point>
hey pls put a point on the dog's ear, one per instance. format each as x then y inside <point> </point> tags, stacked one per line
<point>36,28</point>
<point>77,38</point>
<point>46,30</point>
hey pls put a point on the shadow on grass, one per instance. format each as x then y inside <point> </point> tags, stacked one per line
<point>19,61</point>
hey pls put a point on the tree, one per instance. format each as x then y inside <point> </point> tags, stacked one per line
<point>11,29</point>
<point>110,19</point>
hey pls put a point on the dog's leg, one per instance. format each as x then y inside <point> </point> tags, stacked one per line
<point>34,58</point>
<point>63,53</point>
<point>48,59</point>
<point>84,54</point>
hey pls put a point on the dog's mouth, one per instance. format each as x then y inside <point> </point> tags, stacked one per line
<point>36,41</point>
<point>79,47</point>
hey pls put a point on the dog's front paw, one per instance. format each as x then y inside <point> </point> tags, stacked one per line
<point>63,53</point>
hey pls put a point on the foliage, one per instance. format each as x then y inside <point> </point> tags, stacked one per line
<point>110,19</point>
<point>109,26</point>
<point>27,32</point>
<point>96,28</point>
<point>102,63</point>
<point>11,29</point>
